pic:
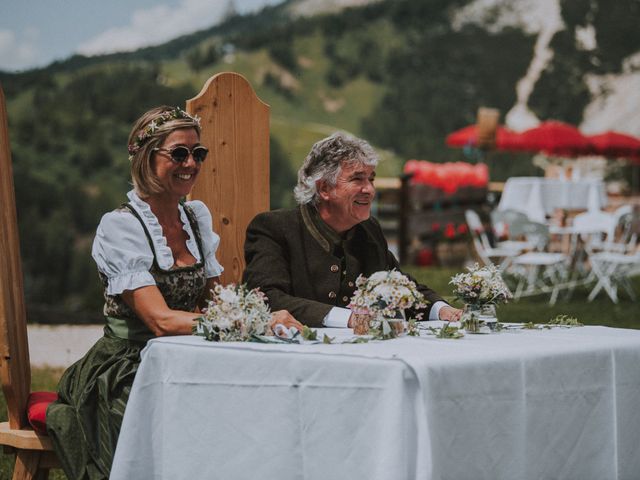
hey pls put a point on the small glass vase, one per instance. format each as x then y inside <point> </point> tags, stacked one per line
<point>364,320</point>
<point>479,318</point>
<point>390,327</point>
<point>361,322</point>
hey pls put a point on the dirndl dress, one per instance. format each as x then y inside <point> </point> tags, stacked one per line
<point>84,423</point>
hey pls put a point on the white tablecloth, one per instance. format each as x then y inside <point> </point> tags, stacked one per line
<point>538,197</point>
<point>561,404</point>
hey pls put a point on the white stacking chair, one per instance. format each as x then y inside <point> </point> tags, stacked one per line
<point>539,271</point>
<point>500,256</point>
<point>510,223</point>
<point>619,259</point>
<point>621,236</point>
<point>613,269</point>
<point>588,233</point>
<point>592,228</point>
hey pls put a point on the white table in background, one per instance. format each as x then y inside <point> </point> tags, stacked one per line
<point>538,197</point>
<point>561,403</point>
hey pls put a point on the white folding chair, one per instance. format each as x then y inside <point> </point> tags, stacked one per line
<point>509,224</point>
<point>588,233</point>
<point>539,271</point>
<point>622,235</point>
<point>612,270</point>
<point>619,260</point>
<point>592,228</point>
<point>489,255</point>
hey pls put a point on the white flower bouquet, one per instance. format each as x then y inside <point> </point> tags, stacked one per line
<point>481,286</point>
<point>235,313</point>
<point>384,296</point>
<point>481,289</point>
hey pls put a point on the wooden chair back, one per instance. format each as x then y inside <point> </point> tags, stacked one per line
<point>34,452</point>
<point>15,370</point>
<point>234,184</point>
<point>234,180</point>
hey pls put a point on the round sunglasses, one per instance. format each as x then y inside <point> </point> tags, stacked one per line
<point>181,154</point>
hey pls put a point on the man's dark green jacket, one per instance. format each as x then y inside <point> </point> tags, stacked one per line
<point>306,268</point>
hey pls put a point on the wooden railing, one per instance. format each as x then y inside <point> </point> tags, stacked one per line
<point>415,217</point>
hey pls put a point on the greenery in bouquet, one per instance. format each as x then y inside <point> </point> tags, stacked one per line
<point>388,293</point>
<point>447,331</point>
<point>234,313</point>
<point>480,286</point>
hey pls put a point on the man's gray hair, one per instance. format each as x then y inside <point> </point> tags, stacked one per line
<point>325,160</point>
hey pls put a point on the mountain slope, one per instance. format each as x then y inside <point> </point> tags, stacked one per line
<point>401,73</point>
<point>580,43</point>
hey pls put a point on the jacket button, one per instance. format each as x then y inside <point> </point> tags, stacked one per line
<point>345,299</point>
<point>335,268</point>
<point>351,284</point>
<point>332,294</point>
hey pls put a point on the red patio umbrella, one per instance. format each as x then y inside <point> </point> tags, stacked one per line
<point>463,137</point>
<point>468,137</point>
<point>615,144</point>
<point>555,138</point>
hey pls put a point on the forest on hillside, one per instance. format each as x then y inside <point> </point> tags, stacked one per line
<point>395,72</point>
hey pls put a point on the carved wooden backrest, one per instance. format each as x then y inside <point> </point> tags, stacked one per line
<point>234,180</point>
<point>233,183</point>
<point>15,371</point>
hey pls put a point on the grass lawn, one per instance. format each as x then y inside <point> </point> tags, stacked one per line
<point>625,314</point>
<point>601,311</point>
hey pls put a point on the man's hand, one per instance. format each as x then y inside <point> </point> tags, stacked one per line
<point>283,317</point>
<point>449,314</point>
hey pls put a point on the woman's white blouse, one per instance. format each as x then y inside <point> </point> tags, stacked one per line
<point>123,254</point>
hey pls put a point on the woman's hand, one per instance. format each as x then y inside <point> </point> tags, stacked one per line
<point>283,317</point>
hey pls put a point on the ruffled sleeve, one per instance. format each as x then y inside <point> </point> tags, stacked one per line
<point>122,252</point>
<point>210,240</point>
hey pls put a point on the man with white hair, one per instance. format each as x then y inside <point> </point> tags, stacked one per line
<point>306,260</point>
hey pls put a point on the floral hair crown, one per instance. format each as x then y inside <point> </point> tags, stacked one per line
<point>146,133</point>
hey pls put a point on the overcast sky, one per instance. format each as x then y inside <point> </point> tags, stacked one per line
<point>34,33</point>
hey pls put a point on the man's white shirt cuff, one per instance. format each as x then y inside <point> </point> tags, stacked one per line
<point>337,317</point>
<point>434,313</point>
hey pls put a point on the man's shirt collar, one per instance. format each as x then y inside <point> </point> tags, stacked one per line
<point>327,237</point>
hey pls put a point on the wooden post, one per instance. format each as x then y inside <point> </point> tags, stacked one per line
<point>15,370</point>
<point>234,180</point>
<point>487,122</point>
<point>405,212</point>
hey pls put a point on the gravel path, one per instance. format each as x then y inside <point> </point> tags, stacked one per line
<point>60,345</point>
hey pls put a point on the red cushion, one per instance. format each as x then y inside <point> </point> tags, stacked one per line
<point>37,409</point>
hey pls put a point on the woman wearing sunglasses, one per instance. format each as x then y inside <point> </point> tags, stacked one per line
<point>156,258</point>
